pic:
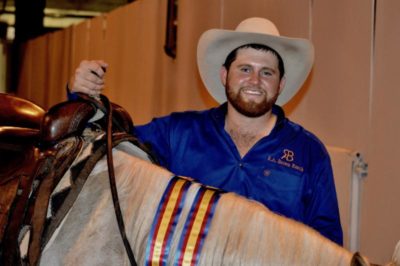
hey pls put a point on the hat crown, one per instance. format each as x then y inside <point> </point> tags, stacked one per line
<point>258,25</point>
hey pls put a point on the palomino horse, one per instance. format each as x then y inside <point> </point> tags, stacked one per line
<point>173,221</point>
<point>169,220</point>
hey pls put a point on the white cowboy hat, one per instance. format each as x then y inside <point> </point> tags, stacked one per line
<point>215,45</point>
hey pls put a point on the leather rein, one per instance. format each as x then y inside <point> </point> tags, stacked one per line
<point>107,109</point>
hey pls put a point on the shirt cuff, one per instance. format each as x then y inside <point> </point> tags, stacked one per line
<point>70,95</point>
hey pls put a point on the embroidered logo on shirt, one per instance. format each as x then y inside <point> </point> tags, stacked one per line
<point>286,160</point>
<point>288,155</point>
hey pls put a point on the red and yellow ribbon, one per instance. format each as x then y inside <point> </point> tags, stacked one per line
<point>164,224</point>
<point>195,228</point>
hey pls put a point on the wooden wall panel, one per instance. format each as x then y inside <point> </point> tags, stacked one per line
<point>45,68</point>
<point>80,48</point>
<point>291,17</point>
<point>25,71</point>
<point>134,49</point>
<point>336,105</point>
<point>380,213</point>
<point>96,35</point>
<point>187,90</point>
<point>58,65</point>
<point>35,66</point>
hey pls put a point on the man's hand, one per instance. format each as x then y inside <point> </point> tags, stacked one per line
<point>88,77</point>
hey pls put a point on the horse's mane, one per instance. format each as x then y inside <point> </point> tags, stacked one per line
<point>238,231</point>
<point>242,232</point>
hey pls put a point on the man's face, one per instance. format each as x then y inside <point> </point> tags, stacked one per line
<point>252,84</point>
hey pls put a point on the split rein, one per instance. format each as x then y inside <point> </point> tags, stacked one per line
<point>103,104</point>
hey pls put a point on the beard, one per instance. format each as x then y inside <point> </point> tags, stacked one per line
<point>249,108</point>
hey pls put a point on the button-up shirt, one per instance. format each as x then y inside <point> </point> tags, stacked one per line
<point>289,171</point>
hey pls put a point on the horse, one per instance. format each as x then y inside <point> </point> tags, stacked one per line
<point>168,219</point>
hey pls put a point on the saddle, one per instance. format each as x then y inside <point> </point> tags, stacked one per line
<point>36,149</point>
<point>20,122</point>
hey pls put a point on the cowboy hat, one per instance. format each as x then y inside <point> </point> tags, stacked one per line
<point>215,45</point>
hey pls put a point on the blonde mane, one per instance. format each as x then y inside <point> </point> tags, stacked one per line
<point>242,232</point>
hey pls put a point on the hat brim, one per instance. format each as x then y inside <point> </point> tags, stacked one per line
<point>215,45</point>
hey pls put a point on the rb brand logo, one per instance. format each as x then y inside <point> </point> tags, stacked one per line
<point>288,155</point>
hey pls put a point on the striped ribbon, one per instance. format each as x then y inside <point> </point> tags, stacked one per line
<point>166,219</point>
<point>196,226</point>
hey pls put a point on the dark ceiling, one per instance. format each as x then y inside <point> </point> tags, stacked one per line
<point>82,5</point>
<point>31,18</point>
<point>89,5</point>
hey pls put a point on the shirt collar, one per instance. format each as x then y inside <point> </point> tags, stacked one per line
<point>219,114</point>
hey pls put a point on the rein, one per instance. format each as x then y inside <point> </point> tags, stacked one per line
<point>107,110</point>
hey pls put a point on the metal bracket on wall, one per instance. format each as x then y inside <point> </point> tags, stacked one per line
<point>359,172</point>
<point>172,28</point>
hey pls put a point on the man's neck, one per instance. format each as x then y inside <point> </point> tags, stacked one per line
<point>247,131</point>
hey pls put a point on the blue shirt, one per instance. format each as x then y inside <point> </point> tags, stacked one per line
<point>289,171</point>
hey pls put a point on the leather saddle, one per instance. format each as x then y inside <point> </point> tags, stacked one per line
<point>36,149</point>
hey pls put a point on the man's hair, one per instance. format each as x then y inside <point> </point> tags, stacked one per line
<point>232,56</point>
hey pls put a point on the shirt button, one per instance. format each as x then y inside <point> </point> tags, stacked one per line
<point>267,172</point>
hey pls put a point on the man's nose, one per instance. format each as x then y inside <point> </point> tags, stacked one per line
<point>254,78</point>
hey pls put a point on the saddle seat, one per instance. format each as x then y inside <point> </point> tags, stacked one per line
<point>30,152</point>
<point>25,125</point>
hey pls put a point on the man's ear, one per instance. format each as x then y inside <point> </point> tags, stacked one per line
<point>223,74</point>
<point>282,83</point>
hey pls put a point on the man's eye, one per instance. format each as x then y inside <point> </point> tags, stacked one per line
<point>245,69</point>
<point>266,73</point>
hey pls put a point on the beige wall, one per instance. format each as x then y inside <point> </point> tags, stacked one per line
<point>349,101</point>
<point>381,211</point>
<point>351,104</point>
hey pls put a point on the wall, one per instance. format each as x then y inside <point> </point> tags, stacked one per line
<point>3,66</point>
<point>349,100</point>
<point>381,212</point>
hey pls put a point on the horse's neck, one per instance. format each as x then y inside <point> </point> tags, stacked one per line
<point>261,236</point>
<point>78,240</point>
<point>265,238</point>
<point>241,231</point>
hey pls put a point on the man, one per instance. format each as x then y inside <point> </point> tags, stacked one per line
<point>246,145</point>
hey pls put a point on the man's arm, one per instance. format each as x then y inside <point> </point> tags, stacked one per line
<point>322,210</point>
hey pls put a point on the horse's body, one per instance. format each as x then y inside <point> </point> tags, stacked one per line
<point>82,229</point>
<point>242,232</point>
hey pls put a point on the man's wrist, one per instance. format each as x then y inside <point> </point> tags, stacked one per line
<point>70,95</point>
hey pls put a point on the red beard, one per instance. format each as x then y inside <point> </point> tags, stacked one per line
<point>249,108</point>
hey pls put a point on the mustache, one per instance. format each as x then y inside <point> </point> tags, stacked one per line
<point>252,88</point>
